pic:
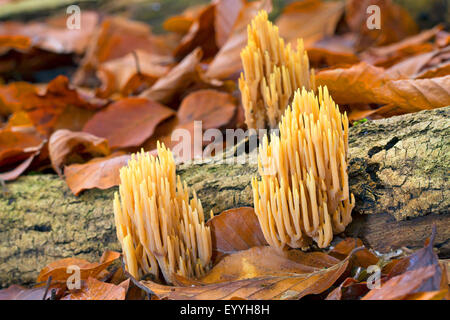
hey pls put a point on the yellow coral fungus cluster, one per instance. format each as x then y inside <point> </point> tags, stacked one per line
<point>303,192</point>
<point>272,73</point>
<point>159,228</point>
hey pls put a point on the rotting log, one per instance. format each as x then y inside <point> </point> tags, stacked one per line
<point>398,174</point>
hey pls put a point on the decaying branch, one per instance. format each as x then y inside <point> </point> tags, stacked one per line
<point>398,174</point>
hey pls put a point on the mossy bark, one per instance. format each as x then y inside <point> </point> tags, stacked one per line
<point>398,172</point>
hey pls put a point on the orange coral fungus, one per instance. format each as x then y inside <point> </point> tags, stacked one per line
<point>303,193</point>
<point>272,73</point>
<point>158,226</point>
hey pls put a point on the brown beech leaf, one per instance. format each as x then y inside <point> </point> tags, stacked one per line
<point>396,22</point>
<point>183,22</point>
<point>16,292</point>
<point>212,108</point>
<point>201,34</point>
<point>408,68</point>
<point>51,35</point>
<point>134,72</point>
<point>226,13</point>
<point>310,20</point>
<point>18,148</point>
<point>361,258</point>
<point>67,147</point>
<point>410,282</point>
<point>260,279</point>
<point>101,173</point>
<point>177,80</point>
<point>94,289</point>
<point>235,230</point>
<point>227,62</point>
<point>58,269</point>
<point>385,55</point>
<point>128,122</point>
<point>350,289</point>
<point>60,106</point>
<point>440,70</point>
<point>11,96</point>
<point>360,79</point>
<point>413,95</point>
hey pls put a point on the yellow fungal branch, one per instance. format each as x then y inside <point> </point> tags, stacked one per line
<point>303,192</point>
<point>272,73</point>
<point>159,228</point>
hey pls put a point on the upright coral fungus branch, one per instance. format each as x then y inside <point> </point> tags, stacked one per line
<point>272,73</point>
<point>303,193</point>
<point>158,226</point>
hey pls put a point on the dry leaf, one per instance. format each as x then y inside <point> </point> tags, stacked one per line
<point>132,73</point>
<point>67,147</point>
<point>396,22</point>
<point>177,80</point>
<point>235,230</point>
<point>94,289</point>
<point>227,62</point>
<point>360,79</point>
<point>128,122</point>
<point>101,173</point>
<point>226,14</point>
<point>201,34</point>
<point>58,269</point>
<point>16,292</point>
<point>310,20</point>
<point>290,285</point>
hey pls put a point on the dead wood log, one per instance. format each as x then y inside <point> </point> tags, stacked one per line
<point>398,174</point>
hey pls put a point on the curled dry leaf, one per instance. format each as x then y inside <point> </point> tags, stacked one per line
<point>226,13</point>
<point>128,122</point>
<point>311,20</point>
<point>178,79</point>
<point>58,269</point>
<point>212,108</point>
<point>18,148</point>
<point>59,107</point>
<point>67,147</point>
<point>396,21</point>
<point>132,73</point>
<point>361,79</point>
<point>16,292</point>
<point>94,289</point>
<point>235,230</point>
<point>101,173</point>
<point>293,284</point>
<point>227,62</point>
<point>362,258</point>
<point>201,34</point>
<point>410,282</point>
<point>51,35</point>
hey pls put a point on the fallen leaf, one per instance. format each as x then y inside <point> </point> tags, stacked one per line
<point>282,286</point>
<point>410,282</point>
<point>226,14</point>
<point>182,23</point>
<point>177,80</point>
<point>128,122</point>
<point>67,147</point>
<point>310,20</point>
<point>362,258</point>
<point>396,22</point>
<point>18,148</point>
<point>11,96</point>
<point>360,79</point>
<point>101,173</point>
<point>94,289</point>
<point>213,109</point>
<point>200,35</point>
<point>133,73</point>
<point>227,62</point>
<point>411,95</point>
<point>350,289</point>
<point>58,269</point>
<point>16,292</point>
<point>235,230</point>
